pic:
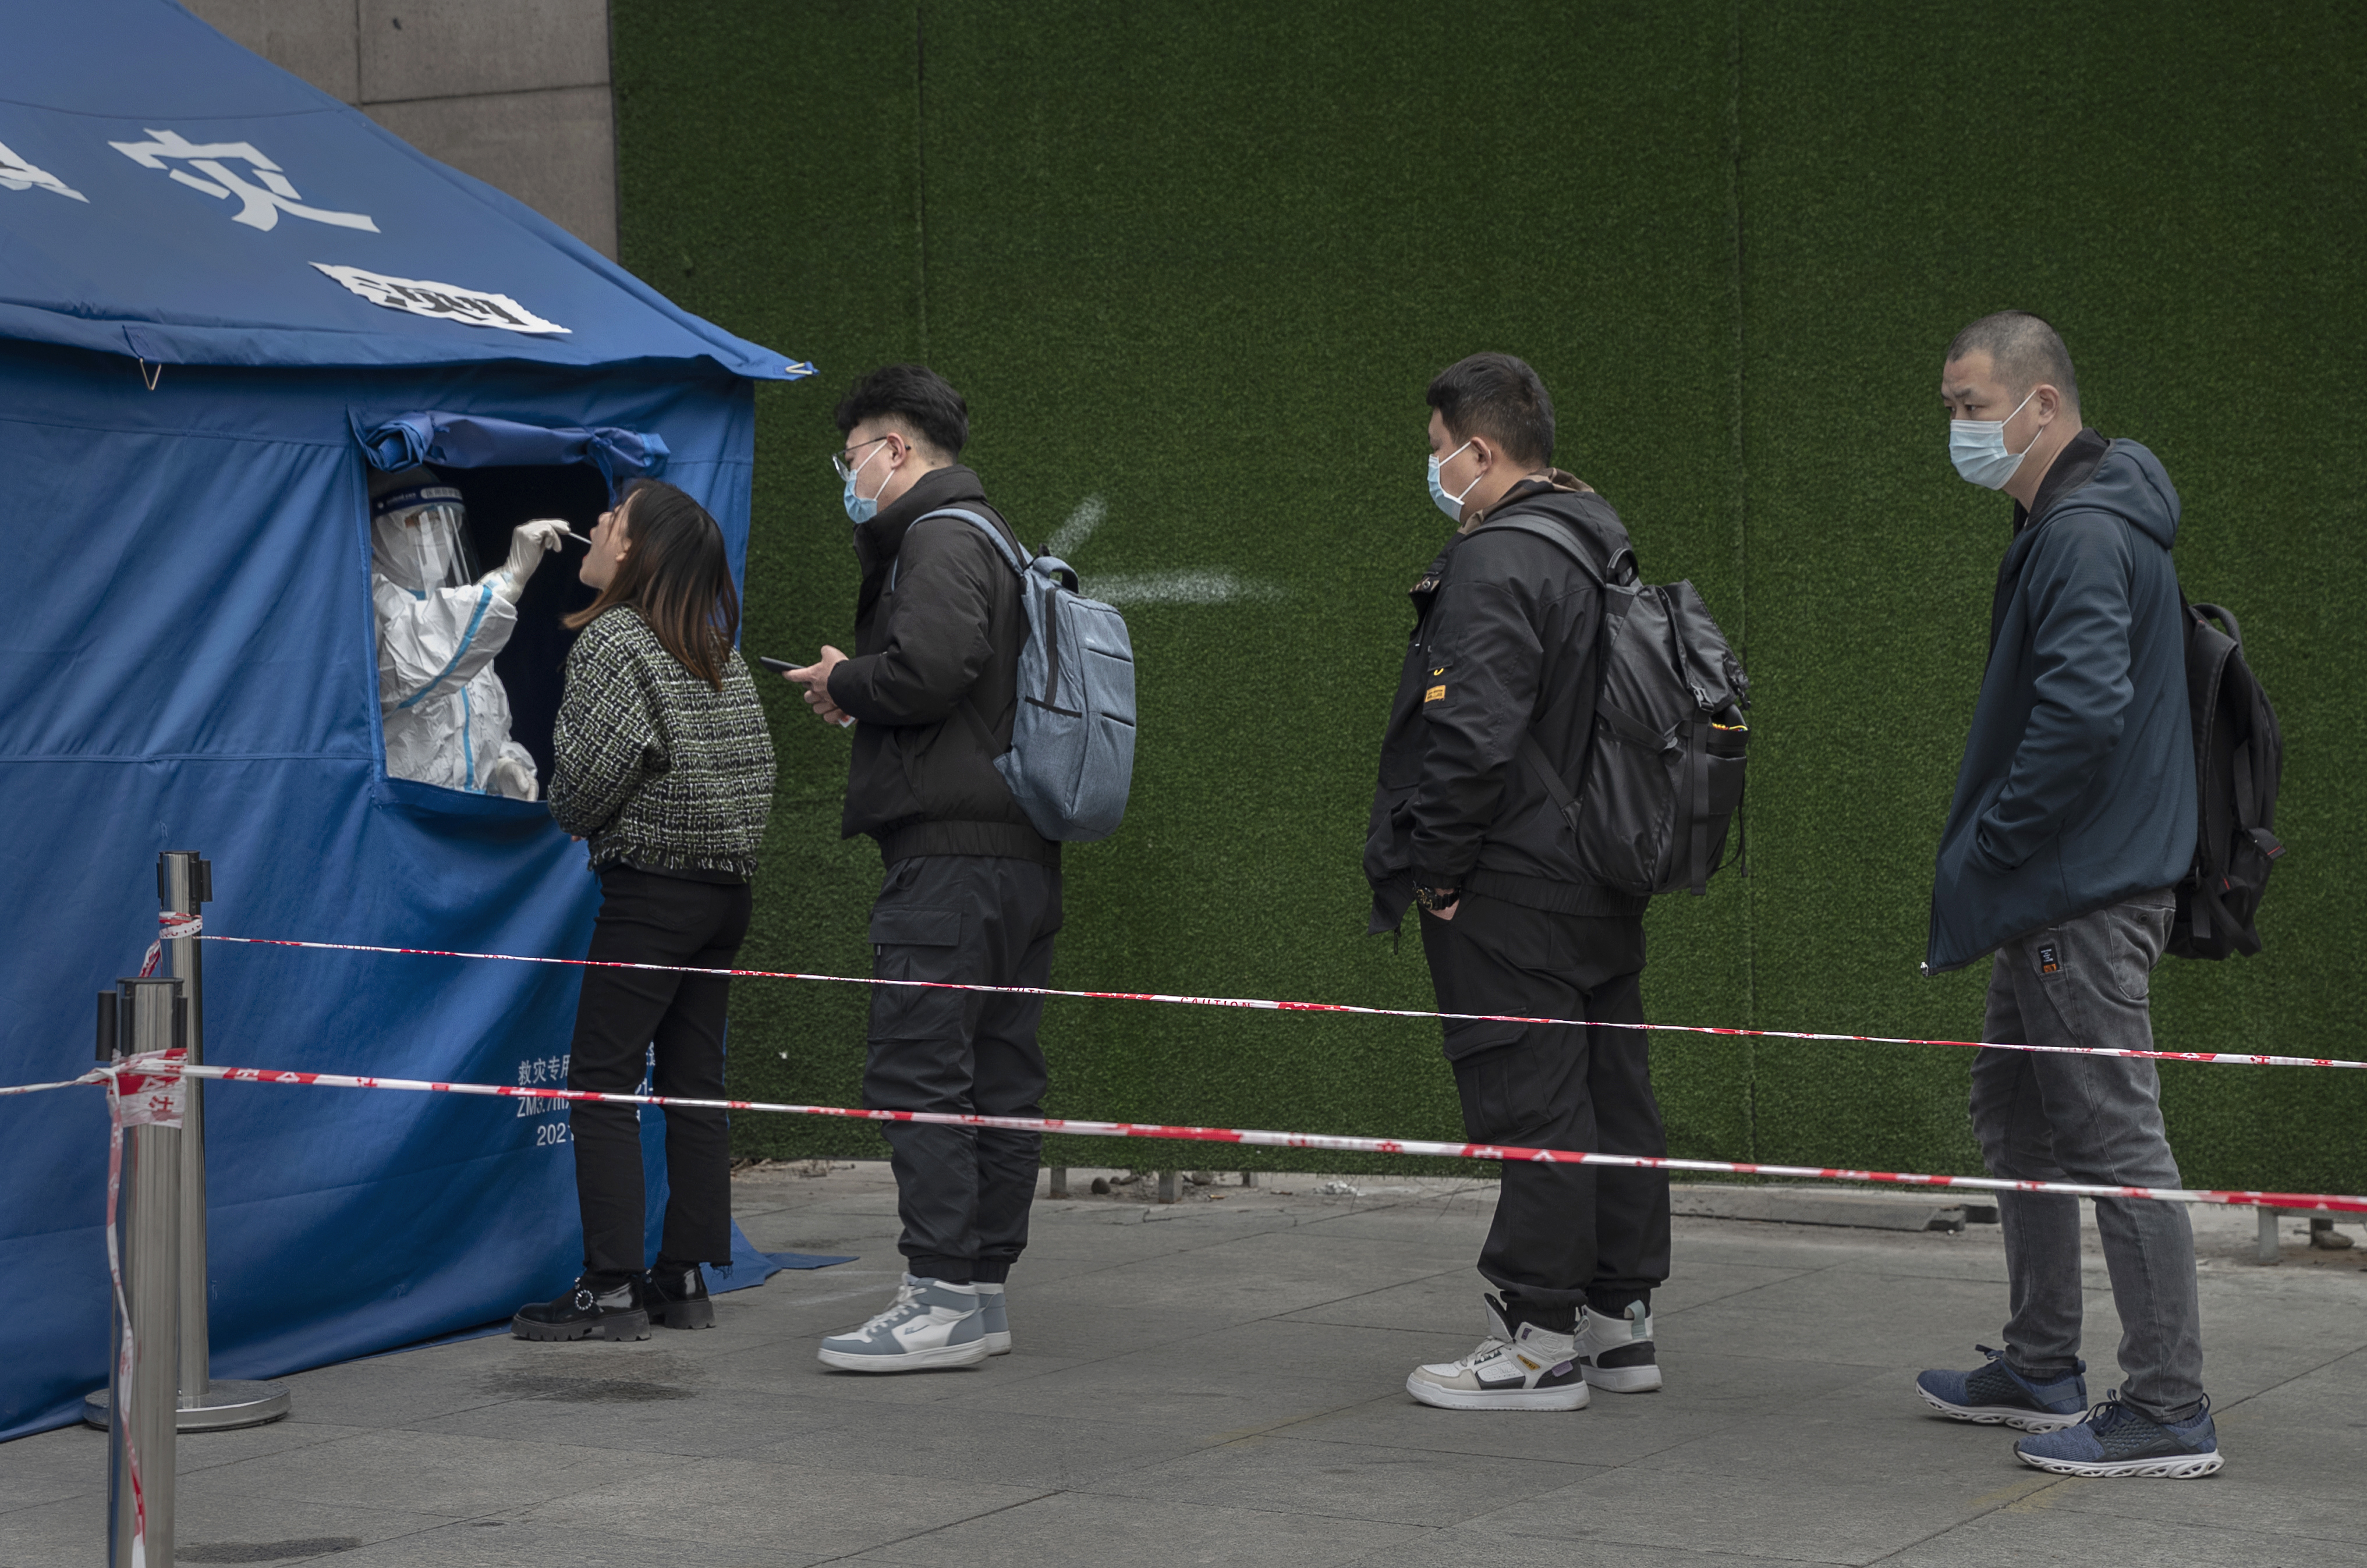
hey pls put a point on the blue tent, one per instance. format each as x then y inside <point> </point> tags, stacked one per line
<point>222,296</point>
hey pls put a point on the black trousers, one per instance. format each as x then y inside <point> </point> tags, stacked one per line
<point>620,1015</point>
<point>1563,1234</point>
<point>963,1193</point>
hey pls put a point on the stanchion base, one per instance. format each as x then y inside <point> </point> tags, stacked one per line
<point>225,1406</point>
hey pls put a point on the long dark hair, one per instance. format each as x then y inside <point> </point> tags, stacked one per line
<point>677,575</point>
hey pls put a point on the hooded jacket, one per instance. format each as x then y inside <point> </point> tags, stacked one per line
<point>934,685</point>
<point>2077,789</point>
<point>1504,644</point>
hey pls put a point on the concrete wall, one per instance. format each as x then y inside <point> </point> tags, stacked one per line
<point>514,92</point>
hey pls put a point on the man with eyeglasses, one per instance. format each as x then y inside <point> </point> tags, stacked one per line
<point>972,892</point>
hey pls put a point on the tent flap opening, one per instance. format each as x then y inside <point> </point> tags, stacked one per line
<point>474,441</point>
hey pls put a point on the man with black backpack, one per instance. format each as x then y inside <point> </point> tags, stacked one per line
<point>972,891</point>
<point>2075,816</point>
<point>1504,662</point>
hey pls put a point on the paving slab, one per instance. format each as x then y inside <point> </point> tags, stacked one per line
<point>1083,1530</point>
<point>1912,1209</point>
<point>1221,1380</point>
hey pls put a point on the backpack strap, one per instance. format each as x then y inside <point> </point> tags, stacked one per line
<point>1553,531</point>
<point>1557,787</point>
<point>1017,561</point>
<point>1620,568</point>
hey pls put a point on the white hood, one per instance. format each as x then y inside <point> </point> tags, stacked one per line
<point>419,538</point>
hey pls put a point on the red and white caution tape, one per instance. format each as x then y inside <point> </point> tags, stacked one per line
<point>2220,1058</point>
<point>171,927</point>
<point>96,1075</point>
<point>2323,1202</point>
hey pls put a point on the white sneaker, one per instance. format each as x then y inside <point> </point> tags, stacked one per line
<point>1525,1369</point>
<point>929,1323</point>
<point>997,1325</point>
<point>1616,1353</point>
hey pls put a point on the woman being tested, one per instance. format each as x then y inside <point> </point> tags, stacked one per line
<point>664,764</point>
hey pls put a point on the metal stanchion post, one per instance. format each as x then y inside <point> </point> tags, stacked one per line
<point>1059,1182</point>
<point>148,1218</point>
<point>183,885</point>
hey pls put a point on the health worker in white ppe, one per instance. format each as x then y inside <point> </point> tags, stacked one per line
<point>440,625</point>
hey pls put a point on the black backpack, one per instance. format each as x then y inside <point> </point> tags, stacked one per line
<point>1663,777</point>
<point>2239,756</point>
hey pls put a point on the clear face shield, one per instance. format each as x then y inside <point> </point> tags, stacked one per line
<point>419,538</point>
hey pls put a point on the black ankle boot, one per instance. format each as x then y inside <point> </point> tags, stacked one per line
<point>587,1310</point>
<point>676,1296</point>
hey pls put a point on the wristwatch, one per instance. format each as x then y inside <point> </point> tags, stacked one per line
<point>1436,898</point>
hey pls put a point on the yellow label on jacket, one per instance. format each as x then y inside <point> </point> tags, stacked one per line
<point>1433,695</point>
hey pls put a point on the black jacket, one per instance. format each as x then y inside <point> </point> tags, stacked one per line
<point>933,684</point>
<point>1504,645</point>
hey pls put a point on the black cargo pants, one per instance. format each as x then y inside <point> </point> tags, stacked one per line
<point>962,1192</point>
<point>621,1015</point>
<point>1563,1234</point>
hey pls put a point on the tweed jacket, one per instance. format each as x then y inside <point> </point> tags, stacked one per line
<point>656,768</point>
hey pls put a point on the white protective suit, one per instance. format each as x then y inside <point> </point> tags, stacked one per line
<point>445,714</point>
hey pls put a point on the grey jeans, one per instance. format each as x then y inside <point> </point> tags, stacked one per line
<point>2088,1118</point>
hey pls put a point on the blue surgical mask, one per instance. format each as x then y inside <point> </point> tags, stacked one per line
<point>861,508</point>
<point>1450,504</point>
<point>1978,447</point>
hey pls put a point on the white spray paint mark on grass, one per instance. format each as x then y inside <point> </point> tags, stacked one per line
<point>1072,534</point>
<point>1193,586</point>
<point>1196,585</point>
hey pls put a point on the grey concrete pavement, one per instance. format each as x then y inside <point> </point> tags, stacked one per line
<point>1221,1381</point>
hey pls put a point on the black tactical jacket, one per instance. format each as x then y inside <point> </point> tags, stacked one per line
<point>933,684</point>
<point>1504,645</point>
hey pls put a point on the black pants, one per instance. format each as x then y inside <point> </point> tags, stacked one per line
<point>1563,1234</point>
<point>620,1013</point>
<point>962,1192</point>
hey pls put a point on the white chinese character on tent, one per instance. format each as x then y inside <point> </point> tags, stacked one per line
<point>263,203</point>
<point>19,174</point>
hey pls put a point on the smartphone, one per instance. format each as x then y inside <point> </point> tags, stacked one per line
<point>784,666</point>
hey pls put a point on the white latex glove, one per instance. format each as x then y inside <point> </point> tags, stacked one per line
<point>529,542</point>
<point>512,778</point>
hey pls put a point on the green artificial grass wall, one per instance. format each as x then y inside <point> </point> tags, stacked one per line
<point>1193,266</point>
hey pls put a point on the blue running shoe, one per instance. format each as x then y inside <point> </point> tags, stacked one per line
<point>2116,1440</point>
<point>1997,1393</point>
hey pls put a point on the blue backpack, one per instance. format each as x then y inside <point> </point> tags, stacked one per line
<point>1071,757</point>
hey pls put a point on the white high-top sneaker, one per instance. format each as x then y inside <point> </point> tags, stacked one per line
<point>1616,1353</point>
<point>996,1321</point>
<point>929,1323</point>
<point>1525,1369</point>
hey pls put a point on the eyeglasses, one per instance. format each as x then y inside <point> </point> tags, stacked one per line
<point>847,469</point>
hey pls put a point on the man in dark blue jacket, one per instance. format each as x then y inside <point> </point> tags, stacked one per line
<point>2074,817</point>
